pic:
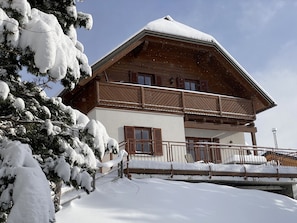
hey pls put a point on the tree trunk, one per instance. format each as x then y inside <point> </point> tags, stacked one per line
<point>58,193</point>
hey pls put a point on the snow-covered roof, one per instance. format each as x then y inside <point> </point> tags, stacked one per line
<point>167,27</point>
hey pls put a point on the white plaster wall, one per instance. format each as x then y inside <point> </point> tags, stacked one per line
<point>172,130</point>
<point>114,121</point>
<point>225,137</point>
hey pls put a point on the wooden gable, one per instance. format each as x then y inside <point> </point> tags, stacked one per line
<point>174,60</point>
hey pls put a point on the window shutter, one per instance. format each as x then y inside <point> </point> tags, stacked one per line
<point>133,77</point>
<point>130,139</point>
<point>158,149</point>
<point>203,85</point>
<point>158,80</point>
<point>180,82</point>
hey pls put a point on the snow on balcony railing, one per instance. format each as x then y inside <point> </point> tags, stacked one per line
<point>216,153</point>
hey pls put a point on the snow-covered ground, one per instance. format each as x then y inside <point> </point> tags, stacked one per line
<point>156,200</point>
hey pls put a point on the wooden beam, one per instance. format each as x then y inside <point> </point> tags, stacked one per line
<point>254,141</point>
<point>225,127</point>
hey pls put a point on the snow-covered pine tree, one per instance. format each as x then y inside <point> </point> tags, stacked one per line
<point>39,36</point>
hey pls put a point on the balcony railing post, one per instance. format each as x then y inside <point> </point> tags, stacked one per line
<point>170,155</point>
<point>183,101</point>
<point>142,93</point>
<point>220,105</point>
<point>168,146</point>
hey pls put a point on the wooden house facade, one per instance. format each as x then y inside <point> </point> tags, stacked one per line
<point>172,83</point>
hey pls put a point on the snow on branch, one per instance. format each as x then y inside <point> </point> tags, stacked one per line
<point>56,54</point>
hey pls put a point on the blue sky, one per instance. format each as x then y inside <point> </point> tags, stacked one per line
<point>260,34</point>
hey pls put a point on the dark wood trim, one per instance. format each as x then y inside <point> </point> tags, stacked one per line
<point>157,141</point>
<point>97,93</point>
<point>214,126</point>
<point>254,141</point>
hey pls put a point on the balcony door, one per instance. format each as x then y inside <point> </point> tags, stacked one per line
<point>201,151</point>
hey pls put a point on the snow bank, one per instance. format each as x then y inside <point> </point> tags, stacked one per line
<point>31,191</point>
<point>155,200</point>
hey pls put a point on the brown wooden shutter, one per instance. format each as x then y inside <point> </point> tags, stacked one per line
<point>204,85</point>
<point>158,80</point>
<point>180,83</point>
<point>133,77</point>
<point>157,137</point>
<point>130,139</point>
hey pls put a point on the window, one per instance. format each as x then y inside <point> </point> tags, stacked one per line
<point>143,140</point>
<point>203,152</point>
<point>191,85</point>
<point>145,79</point>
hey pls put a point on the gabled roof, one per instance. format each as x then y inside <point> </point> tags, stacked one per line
<point>168,28</point>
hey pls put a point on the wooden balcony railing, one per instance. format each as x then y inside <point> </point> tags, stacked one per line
<point>173,100</point>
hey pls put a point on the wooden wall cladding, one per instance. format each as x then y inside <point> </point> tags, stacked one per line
<point>169,62</point>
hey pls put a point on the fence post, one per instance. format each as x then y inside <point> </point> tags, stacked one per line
<point>94,181</point>
<point>121,169</point>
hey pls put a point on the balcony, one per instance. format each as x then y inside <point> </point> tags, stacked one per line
<point>214,162</point>
<point>160,99</point>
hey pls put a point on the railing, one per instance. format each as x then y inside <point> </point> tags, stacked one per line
<point>182,152</point>
<point>174,101</point>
